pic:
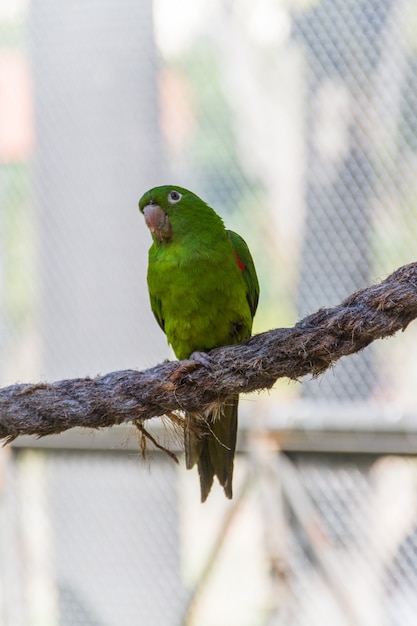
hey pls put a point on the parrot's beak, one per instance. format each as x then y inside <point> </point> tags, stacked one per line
<point>157,221</point>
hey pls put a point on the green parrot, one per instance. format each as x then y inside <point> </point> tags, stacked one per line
<point>204,293</point>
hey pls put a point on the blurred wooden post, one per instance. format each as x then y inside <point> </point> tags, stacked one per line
<point>98,148</point>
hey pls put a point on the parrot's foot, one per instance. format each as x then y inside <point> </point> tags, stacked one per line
<point>194,361</point>
<point>201,357</point>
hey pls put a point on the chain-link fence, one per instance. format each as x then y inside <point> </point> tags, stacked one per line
<point>297,121</point>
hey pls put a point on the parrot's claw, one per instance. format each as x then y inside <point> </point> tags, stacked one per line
<point>201,357</point>
<point>194,361</point>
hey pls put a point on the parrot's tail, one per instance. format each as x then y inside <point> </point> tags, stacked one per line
<point>212,446</point>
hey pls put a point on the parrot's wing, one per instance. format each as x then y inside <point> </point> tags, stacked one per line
<point>245,262</point>
<point>156,307</point>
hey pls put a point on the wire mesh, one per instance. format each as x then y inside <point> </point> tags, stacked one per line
<point>97,533</point>
<point>365,509</point>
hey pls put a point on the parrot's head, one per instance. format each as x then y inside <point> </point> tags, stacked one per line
<point>171,211</point>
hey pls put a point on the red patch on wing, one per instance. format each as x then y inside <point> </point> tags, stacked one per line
<point>239,262</point>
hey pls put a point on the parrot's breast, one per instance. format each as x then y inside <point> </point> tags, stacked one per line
<point>201,297</point>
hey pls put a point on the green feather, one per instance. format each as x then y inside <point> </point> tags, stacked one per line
<point>204,293</point>
<point>249,272</point>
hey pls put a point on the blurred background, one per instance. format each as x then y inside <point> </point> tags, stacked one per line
<point>297,121</point>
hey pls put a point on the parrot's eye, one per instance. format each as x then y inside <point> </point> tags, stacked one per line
<point>174,196</point>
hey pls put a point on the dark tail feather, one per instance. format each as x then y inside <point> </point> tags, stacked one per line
<point>206,472</point>
<point>214,449</point>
